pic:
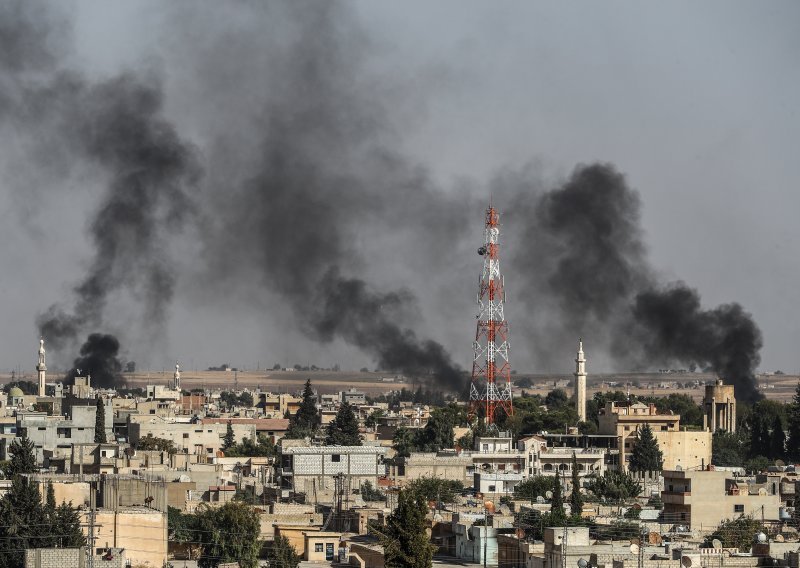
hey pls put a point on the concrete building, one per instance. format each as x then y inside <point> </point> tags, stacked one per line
<point>719,407</point>
<point>311,468</point>
<point>703,499</point>
<point>353,396</point>
<point>194,438</point>
<point>580,382</point>
<point>50,433</point>
<point>273,428</point>
<point>496,482</point>
<point>681,448</point>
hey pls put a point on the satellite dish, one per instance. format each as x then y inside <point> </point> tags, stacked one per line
<point>686,561</point>
<point>582,563</point>
<point>540,499</point>
<point>678,468</point>
<point>505,510</point>
<point>489,506</point>
<point>548,494</point>
<point>634,548</point>
<point>716,543</point>
<point>779,538</point>
<point>761,538</point>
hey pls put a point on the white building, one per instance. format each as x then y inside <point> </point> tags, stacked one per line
<point>310,468</point>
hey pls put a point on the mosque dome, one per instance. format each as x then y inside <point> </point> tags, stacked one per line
<point>15,392</point>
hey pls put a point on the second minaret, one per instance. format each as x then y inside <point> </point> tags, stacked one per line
<point>580,382</point>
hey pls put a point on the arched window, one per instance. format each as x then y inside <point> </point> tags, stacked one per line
<point>548,467</point>
<point>563,467</point>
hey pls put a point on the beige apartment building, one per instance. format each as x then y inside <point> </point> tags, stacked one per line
<point>682,449</point>
<point>703,499</point>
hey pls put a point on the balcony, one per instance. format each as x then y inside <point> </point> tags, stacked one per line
<point>677,497</point>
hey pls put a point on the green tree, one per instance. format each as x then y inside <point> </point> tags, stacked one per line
<point>793,420</point>
<point>282,554</point>
<point>370,493</point>
<point>229,440</point>
<point>307,415</point>
<point>403,442</point>
<point>180,525</point>
<point>372,419</point>
<point>404,539</point>
<point>247,448</point>
<point>575,498</point>
<point>50,500</point>
<point>343,429</point>
<point>646,457</point>
<point>23,458</point>
<point>535,486</point>
<point>436,489</point>
<point>557,501</point>
<point>67,527</point>
<point>228,534</point>
<point>437,433</point>
<point>615,486</point>
<point>728,448</point>
<point>777,440</point>
<point>25,522</point>
<point>154,443</point>
<point>737,533</point>
<point>100,422</point>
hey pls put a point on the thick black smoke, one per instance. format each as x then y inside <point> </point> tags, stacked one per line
<point>98,359</point>
<point>116,127</point>
<point>309,199</point>
<point>677,328</point>
<point>366,318</point>
<point>582,253</point>
<point>325,178</point>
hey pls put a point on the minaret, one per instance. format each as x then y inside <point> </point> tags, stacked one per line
<point>41,367</point>
<point>580,382</point>
<point>176,378</point>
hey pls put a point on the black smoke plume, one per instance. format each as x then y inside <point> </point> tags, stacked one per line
<point>116,127</point>
<point>325,178</point>
<point>366,319</point>
<point>583,264</point>
<point>98,359</point>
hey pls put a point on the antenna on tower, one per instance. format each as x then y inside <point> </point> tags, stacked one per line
<point>491,372</point>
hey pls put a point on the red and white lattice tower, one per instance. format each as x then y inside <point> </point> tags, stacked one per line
<point>491,372</point>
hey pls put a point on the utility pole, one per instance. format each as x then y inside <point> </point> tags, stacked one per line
<point>92,511</point>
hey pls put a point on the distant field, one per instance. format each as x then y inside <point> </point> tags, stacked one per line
<point>779,387</point>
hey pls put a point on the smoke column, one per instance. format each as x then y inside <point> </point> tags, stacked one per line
<point>116,126</point>
<point>584,254</point>
<point>98,358</point>
<point>309,200</point>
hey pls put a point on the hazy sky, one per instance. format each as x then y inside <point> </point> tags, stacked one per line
<point>697,103</point>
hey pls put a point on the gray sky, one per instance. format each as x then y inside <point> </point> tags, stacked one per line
<point>695,102</point>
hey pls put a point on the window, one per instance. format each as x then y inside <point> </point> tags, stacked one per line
<point>491,489</point>
<point>627,428</point>
<point>318,547</point>
<point>41,429</point>
<point>336,458</point>
<point>738,508</point>
<point>664,428</point>
<point>185,435</point>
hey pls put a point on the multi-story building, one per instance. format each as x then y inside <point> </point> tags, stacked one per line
<point>51,433</point>
<point>190,437</point>
<point>681,448</point>
<point>310,468</point>
<point>703,499</point>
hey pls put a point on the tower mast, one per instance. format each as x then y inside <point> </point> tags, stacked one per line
<point>491,372</point>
